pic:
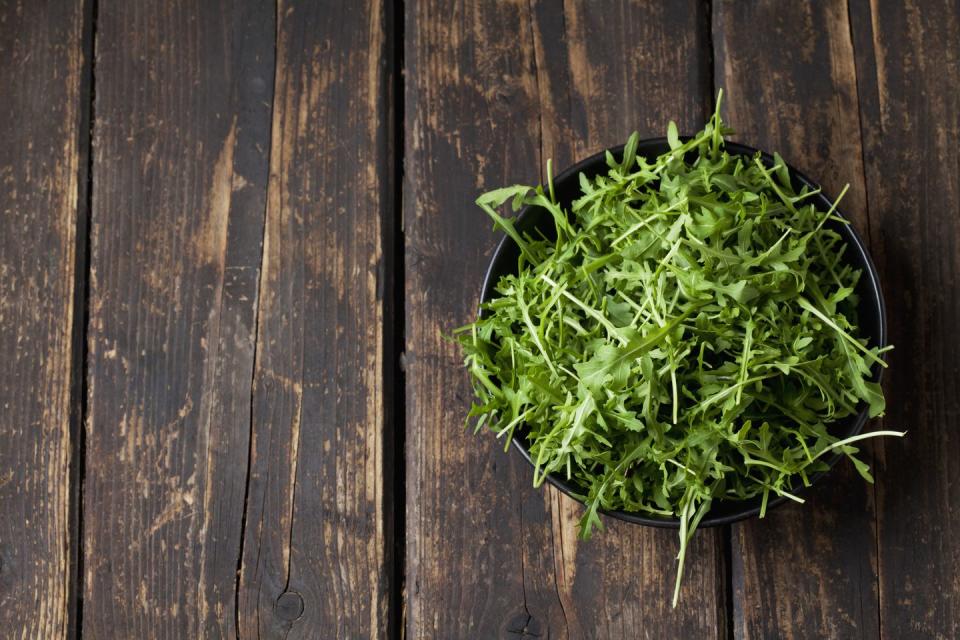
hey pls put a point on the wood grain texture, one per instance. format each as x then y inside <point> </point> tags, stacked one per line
<point>181,133</point>
<point>316,558</point>
<point>493,89</point>
<point>908,61</point>
<point>42,168</point>
<point>790,81</point>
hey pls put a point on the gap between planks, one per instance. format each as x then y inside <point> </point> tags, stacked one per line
<point>394,329</point>
<point>80,320</point>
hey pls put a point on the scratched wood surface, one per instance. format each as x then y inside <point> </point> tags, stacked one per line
<point>181,134</point>
<point>316,556</point>
<point>42,180</point>
<point>493,89</point>
<point>908,57</point>
<point>826,547</point>
<point>261,516</point>
<point>206,296</point>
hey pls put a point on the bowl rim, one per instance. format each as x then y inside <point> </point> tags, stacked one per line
<point>873,282</point>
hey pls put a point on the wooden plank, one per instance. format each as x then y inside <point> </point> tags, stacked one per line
<point>908,58</point>
<point>42,169</point>
<point>805,570</point>
<point>316,557</point>
<point>492,90</point>
<point>181,136</point>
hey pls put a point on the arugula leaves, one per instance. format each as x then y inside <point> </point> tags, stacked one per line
<point>689,335</point>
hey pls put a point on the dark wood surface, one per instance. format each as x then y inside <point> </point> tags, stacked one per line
<point>826,546</point>
<point>181,107</point>
<point>234,232</point>
<point>909,91</point>
<point>316,561</point>
<point>43,152</point>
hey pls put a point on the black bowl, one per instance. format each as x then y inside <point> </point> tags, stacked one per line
<point>872,316</point>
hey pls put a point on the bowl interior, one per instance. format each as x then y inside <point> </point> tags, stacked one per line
<point>871,312</point>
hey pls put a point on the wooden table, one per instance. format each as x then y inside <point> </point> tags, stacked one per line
<point>233,232</point>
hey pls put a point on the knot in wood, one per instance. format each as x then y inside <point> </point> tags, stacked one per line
<point>523,625</point>
<point>289,606</point>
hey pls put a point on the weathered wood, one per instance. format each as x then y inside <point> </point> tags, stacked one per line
<point>181,135</point>
<point>790,81</point>
<point>42,173</point>
<point>316,561</point>
<point>908,61</point>
<point>493,89</point>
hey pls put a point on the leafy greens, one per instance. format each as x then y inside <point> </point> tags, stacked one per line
<point>689,335</point>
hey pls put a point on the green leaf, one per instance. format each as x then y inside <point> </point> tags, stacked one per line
<point>616,358</point>
<point>629,153</point>
<point>673,138</point>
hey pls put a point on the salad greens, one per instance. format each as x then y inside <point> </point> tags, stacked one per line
<point>689,335</point>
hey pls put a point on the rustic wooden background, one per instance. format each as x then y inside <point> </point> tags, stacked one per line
<point>232,232</point>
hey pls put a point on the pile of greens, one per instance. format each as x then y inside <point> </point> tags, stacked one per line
<point>688,336</point>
